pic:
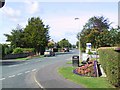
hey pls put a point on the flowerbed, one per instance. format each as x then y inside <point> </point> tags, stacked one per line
<point>88,69</point>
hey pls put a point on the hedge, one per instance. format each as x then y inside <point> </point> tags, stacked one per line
<point>22,50</point>
<point>110,61</point>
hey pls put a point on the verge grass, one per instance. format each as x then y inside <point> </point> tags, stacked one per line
<point>87,82</point>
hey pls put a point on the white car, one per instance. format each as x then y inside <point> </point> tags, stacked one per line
<point>49,53</point>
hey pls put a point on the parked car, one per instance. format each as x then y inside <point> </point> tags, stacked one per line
<point>49,53</point>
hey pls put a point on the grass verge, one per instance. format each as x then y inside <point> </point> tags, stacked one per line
<point>87,82</point>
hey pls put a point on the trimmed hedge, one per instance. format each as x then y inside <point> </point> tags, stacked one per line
<point>110,61</point>
<point>22,50</point>
<point>17,50</point>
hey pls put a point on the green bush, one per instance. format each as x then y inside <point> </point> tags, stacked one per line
<point>27,50</point>
<point>22,50</point>
<point>17,50</point>
<point>109,59</point>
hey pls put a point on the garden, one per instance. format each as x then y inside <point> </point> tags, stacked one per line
<point>88,74</point>
<point>89,69</point>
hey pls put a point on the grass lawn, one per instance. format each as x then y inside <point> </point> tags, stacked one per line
<point>87,82</point>
<point>70,62</point>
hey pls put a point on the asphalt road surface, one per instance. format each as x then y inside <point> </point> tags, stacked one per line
<point>37,73</point>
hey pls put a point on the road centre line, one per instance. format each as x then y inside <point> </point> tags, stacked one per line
<point>34,70</point>
<point>19,74</point>
<point>27,71</point>
<point>2,78</point>
<point>11,76</point>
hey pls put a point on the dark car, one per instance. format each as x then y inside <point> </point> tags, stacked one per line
<point>66,50</point>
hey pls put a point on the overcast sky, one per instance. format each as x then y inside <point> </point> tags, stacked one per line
<point>58,15</point>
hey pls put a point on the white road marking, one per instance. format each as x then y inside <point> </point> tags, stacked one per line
<point>13,65</point>
<point>11,76</point>
<point>2,78</point>
<point>34,70</point>
<point>19,74</point>
<point>27,71</point>
<point>38,82</point>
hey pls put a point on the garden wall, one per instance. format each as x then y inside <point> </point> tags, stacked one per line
<point>21,55</point>
<point>110,61</point>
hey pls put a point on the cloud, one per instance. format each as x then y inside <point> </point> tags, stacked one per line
<point>32,6</point>
<point>11,12</point>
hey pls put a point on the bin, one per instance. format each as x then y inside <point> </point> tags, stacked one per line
<point>75,61</point>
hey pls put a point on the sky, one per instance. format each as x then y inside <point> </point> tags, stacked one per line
<point>60,16</point>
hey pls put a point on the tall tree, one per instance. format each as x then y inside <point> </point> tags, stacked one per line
<point>93,32</point>
<point>16,37</point>
<point>36,34</point>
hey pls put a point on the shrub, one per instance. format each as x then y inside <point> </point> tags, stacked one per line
<point>109,59</point>
<point>27,50</point>
<point>17,50</point>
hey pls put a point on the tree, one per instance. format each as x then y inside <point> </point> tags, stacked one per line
<point>16,37</point>
<point>36,34</point>
<point>64,43</point>
<point>95,31</point>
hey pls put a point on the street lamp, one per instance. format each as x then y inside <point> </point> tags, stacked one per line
<point>79,43</point>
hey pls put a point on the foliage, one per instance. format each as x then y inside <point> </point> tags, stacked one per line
<point>27,50</point>
<point>17,50</point>
<point>64,43</point>
<point>97,32</point>
<point>36,34</point>
<point>6,49</point>
<point>109,60</point>
<point>16,37</point>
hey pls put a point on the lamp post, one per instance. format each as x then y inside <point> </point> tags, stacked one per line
<point>79,43</point>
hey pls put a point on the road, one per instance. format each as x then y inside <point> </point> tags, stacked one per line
<point>25,74</point>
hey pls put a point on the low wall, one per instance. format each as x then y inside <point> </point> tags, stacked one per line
<point>21,55</point>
